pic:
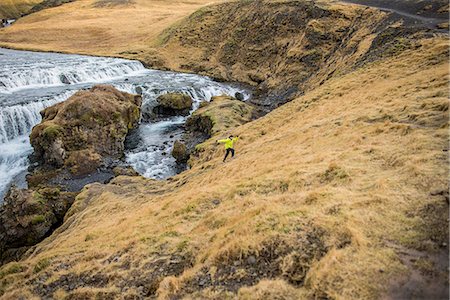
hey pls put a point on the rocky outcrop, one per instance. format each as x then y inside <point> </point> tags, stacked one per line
<point>179,152</point>
<point>218,116</point>
<point>28,216</point>
<point>173,104</point>
<point>87,130</point>
<point>167,105</point>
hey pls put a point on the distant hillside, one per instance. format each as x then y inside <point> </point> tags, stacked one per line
<point>102,27</point>
<point>48,4</point>
<point>296,47</point>
<point>13,9</point>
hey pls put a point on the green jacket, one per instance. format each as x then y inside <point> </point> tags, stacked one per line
<point>228,142</point>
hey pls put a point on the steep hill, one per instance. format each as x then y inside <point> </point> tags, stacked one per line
<point>340,193</point>
<point>283,47</point>
<point>12,9</point>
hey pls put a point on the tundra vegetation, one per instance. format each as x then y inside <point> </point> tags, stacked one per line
<point>340,191</point>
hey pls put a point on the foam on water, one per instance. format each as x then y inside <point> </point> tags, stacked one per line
<point>17,120</point>
<point>13,160</point>
<point>24,73</point>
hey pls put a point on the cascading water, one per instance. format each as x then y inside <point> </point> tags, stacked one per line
<point>30,82</point>
<point>18,75</point>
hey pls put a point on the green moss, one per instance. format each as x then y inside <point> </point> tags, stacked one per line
<point>86,118</point>
<point>100,120</point>
<point>51,132</point>
<point>200,147</point>
<point>134,117</point>
<point>39,198</point>
<point>41,265</point>
<point>38,219</point>
<point>116,115</point>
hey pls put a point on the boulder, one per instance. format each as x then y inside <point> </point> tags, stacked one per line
<point>64,79</point>
<point>125,171</point>
<point>82,132</point>
<point>28,216</point>
<point>239,96</point>
<point>180,152</point>
<point>173,104</point>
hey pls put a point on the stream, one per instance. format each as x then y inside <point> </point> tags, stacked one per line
<point>32,81</point>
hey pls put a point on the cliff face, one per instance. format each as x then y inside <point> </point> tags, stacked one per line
<point>340,193</point>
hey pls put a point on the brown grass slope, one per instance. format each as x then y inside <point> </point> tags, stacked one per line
<point>99,27</point>
<point>12,9</point>
<point>283,47</point>
<point>338,194</point>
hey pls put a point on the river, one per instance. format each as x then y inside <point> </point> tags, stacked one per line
<point>32,81</point>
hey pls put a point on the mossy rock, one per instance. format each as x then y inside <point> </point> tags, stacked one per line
<point>97,119</point>
<point>51,132</point>
<point>173,104</point>
<point>28,216</point>
<point>180,152</point>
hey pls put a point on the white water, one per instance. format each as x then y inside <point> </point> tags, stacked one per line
<point>18,120</point>
<point>30,82</point>
<point>17,75</point>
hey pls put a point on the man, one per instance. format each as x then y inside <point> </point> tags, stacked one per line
<point>229,143</point>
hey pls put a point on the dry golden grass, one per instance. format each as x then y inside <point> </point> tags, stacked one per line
<point>15,8</point>
<point>347,168</point>
<point>85,27</point>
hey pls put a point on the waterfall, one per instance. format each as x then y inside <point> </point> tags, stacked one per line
<point>92,70</point>
<point>18,120</point>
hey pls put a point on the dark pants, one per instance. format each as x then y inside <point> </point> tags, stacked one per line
<point>228,152</point>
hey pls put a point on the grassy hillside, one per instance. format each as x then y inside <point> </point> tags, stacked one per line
<point>341,193</point>
<point>12,9</point>
<point>104,27</point>
<point>338,194</point>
